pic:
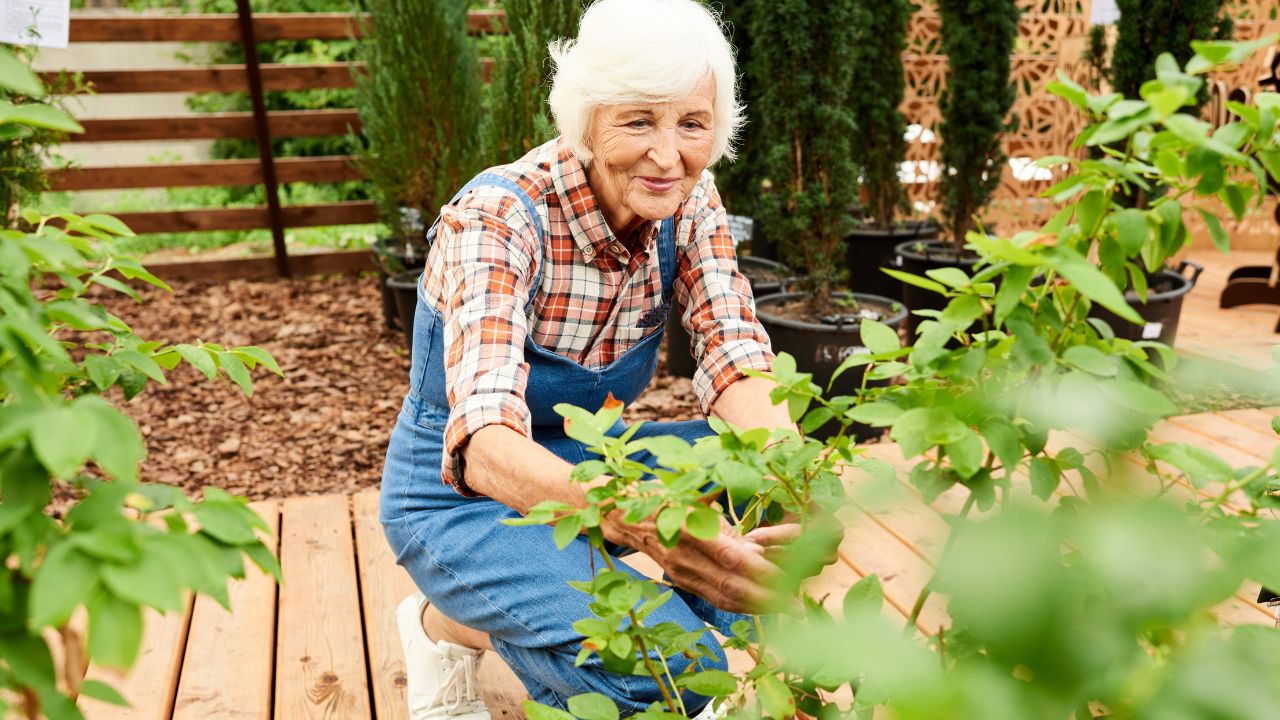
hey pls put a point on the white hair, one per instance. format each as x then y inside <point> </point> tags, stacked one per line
<point>631,51</point>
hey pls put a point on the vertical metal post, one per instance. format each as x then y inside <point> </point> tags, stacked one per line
<point>264,136</point>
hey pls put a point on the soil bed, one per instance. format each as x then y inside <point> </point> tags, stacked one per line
<point>321,429</point>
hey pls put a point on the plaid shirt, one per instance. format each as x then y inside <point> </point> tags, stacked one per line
<point>593,293</point>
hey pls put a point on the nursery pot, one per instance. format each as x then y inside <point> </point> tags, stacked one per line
<point>918,256</point>
<point>394,256</point>
<point>819,348</point>
<point>766,278</point>
<point>1163,307</point>
<point>404,285</point>
<point>868,249</point>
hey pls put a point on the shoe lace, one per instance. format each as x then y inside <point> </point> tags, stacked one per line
<point>458,691</point>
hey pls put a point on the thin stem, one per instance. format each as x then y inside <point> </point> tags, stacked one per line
<point>926,591</point>
<point>676,705</point>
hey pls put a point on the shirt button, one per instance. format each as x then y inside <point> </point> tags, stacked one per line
<point>588,252</point>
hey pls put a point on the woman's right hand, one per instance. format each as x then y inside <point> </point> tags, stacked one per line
<point>729,571</point>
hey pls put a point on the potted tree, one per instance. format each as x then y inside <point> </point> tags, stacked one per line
<point>880,147</point>
<point>978,38</point>
<point>804,138</point>
<point>420,103</point>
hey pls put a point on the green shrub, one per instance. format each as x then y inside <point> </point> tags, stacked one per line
<point>880,127</point>
<point>802,58</point>
<point>978,38</point>
<point>420,105</point>
<point>1149,28</point>
<point>519,118</point>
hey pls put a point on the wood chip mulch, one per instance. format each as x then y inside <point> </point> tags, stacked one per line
<point>323,428</point>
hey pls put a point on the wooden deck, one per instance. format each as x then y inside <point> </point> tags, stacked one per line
<point>324,645</point>
<point>1241,336</point>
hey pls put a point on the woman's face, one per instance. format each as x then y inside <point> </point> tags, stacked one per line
<point>649,156</point>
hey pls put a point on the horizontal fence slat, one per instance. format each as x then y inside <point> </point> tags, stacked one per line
<point>147,27</point>
<point>219,78</point>
<point>334,168</point>
<point>158,221</point>
<point>215,78</point>
<point>347,262</point>
<point>216,126</point>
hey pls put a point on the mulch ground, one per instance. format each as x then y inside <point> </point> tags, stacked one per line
<point>323,428</point>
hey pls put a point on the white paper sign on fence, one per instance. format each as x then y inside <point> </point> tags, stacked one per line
<point>1103,12</point>
<point>35,22</point>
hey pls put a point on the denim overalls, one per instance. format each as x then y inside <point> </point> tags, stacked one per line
<point>510,582</point>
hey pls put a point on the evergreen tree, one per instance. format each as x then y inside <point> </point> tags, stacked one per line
<point>978,38</point>
<point>420,105</point>
<point>739,180</point>
<point>1148,28</point>
<point>879,140</point>
<point>802,57</point>
<point>519,118</point>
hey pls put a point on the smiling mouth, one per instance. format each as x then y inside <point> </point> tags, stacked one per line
<point>659,185</point>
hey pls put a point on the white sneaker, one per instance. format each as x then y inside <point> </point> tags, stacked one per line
<point>713,711</point>
<point>441,676</point>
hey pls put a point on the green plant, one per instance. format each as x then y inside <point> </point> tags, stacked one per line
<point>880,127</point>
<point>802,53</point>
<point>121,545</point>
<point>519,118</point>
<point>1095,57</point>
<point>419,100</point>
<point>32,121</point>
<point>1084,559</point>
<point>978,38</point>
<point>739,181</point>
<point>1148,29</point>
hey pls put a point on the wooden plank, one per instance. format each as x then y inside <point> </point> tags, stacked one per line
<point>228,668</point>
<point>1259,442</point>
<point>335,168</point>
<point>150,685</point>
<point>216,126</point>
<point>347,262</point>
<point>348,212</point>
<point>320,660</point>
<point>214,78</point>
<point>149,27</point>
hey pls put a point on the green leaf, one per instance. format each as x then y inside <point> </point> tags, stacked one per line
<point>538,711</point>
<point>1092,283</point>
<point>1131,230</point>
<point>40,116</point>
<point>16,76</point>
<point>1201,466</point>
<point>864,597</point>
<point>1275,424</point>
<point>118,447</point>
<point>1003,439</point>
<point>1044,477</point>
<point>1220,238</point>
<point>261,356</point>
<point>99,690</point>
<point>669,521</point>
<point>878,337</point>
<point>593,706</point>
<point>876,414</point>
<point>115,631</point>
<point>1066,88</point>
<point>62,439</point>
<point>111,224</point>
<point>199,358</point>
<point>775,697</point>
<point>234,367</point>
<point>916,280</point>
<point>102,370</point>
<point>65,580</point>
<point>566,531</point>
<point>1090,360</point>
<point>966,454</point>
<point>950,276</point>
<point>712,683</point>
<point>225,522</point>
<point>703,522</point>
<point>141,363</point>
<point>148,581</point>
<point>1090,210</point>
<point>1236,197</point>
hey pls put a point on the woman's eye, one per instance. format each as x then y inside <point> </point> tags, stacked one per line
<point>638,123</point>
<point>692,125</point>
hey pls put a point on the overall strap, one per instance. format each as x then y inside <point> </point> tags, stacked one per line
<point>667,263</point>
<point>488,179</point>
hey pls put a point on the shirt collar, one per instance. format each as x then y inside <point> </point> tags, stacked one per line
<point>587,225</point>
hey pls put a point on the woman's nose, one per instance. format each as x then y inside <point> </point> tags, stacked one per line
<point>665,150</point>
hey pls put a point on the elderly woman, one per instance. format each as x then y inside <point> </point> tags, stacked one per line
<point>549,280</point>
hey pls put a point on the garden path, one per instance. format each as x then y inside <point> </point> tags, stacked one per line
<point>324,643</point>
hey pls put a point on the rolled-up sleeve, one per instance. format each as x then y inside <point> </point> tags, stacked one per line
<point>719,311</point>
<point>486,269</point>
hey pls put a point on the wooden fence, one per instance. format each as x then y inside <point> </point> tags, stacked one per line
<point>260,125</point>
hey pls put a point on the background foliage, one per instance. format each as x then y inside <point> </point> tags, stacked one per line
<point>978,38</point>
<point>879,139</point>
<point>1148,28</point>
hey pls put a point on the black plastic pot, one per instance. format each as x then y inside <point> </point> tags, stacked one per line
<point>404,286</point>
<point>917,257</point>
<point>1162,309</point>
<point>392,257</point>
<point>868,249</point>
<point>820,348</point>
<point>766,278</point>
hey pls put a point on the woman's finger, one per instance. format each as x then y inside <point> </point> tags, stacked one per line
<point>774,534</point>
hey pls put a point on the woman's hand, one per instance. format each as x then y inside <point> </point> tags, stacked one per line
<point>730,571</point>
